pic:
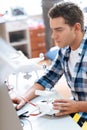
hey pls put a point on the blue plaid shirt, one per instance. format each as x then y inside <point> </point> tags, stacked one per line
<point>78,81</point>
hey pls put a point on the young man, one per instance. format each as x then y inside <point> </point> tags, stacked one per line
<point>67,24</point>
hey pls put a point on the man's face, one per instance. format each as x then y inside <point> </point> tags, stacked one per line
<point>62,34</point>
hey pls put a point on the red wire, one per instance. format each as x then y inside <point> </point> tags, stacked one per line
<point>32,114</point>
<point>28,101</point>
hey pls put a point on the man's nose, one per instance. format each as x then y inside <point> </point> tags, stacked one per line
<point>54,35</point>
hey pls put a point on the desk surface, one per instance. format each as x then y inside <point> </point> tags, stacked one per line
<point>63,123</point>
<point>50,122</point>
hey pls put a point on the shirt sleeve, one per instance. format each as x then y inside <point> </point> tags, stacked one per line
<point>53,74</point>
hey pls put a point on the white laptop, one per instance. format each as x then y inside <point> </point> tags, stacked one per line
<point>8,116</point>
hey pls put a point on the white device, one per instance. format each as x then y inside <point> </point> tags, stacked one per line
<point>13,61</point>
<point>45,106</point>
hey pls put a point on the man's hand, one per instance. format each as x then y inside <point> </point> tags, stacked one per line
<point>19,101</point>
<point>65,106</point>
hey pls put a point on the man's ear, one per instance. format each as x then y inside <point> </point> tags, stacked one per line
<point>77,26</point>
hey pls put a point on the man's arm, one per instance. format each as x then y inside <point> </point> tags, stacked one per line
<point>30,94</point>
<point>68,106</point>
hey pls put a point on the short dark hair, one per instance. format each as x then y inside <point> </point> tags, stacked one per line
<point>69,11</point>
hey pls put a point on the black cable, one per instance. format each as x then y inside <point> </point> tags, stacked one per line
<point>25,121</point>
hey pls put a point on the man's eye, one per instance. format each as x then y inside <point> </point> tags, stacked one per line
<point>59,29</point>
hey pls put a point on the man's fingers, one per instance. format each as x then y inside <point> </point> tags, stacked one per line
<point>61,113</point>
<point>20,105</point>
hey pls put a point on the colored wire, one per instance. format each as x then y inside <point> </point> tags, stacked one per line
<point>32,113</point>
